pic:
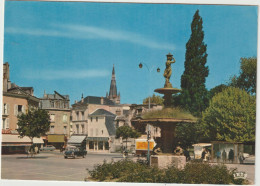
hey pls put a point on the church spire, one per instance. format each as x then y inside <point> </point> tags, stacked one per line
<point>113,90</point>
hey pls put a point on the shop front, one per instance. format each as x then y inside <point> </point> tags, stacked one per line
<point>98,144</point>
<point>13,144</point>
<point>78,141</point>
<point>57,140</point>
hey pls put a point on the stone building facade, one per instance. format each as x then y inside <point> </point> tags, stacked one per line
<point>16,100</point>
<point>58,107</point>
<point>101,131</point>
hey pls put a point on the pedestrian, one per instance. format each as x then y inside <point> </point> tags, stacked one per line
<point>231,156</point>
<point>36,149</point>
<point>187,154</point>
<point>218,156</point>
<point>241,157</point>
<point>224,156</point>
<point>203,154</point>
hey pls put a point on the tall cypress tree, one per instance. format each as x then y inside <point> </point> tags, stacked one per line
<point>194,93</point>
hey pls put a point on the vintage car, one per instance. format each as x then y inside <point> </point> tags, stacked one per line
<point>74,152</point>
<point>48,147</point>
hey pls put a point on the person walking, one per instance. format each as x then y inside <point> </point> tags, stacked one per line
<point>241,157</point>
<point>203,154</point>
<point>218,156</point>
<point>231,156</point>
<point>186,153</point>
<point>224,156</point>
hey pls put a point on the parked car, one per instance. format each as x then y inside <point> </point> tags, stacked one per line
<point>48,147</point>
<point>74,152</point>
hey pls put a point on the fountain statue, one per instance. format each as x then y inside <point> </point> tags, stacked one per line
<point>165,149</point>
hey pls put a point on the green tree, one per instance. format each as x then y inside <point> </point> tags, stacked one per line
<point>154,99</point>
<point>231,116</point>
<point>34,124</point>
<point>194,95</point>
<point>216,90</point>
<point>126,132</point>
<point>247,76</point>
<point>187,134</point>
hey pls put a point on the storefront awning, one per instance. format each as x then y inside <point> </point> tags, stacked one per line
<point>15,140</point>
<point>98,138</point>
<point>76,139</point>
<point>56,138</point>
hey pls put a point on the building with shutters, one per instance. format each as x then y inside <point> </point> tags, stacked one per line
<point>58,107</point>
<point>101,131</point>
<point>16,100</point>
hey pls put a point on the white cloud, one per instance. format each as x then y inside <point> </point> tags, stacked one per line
<point>90,32</point>
<point>65,74</point>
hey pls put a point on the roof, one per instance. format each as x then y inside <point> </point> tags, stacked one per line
<point>14,138</point>
<point>76,139</point>
<point>110,125</point>
<point>56,95</point>
<point>202,144</point>
<point>95,100</point>
<point>102,112</point>
<point>20,92</point>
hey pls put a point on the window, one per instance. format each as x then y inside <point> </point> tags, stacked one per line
<point>96,119</point>
<point>6,109</point>
<point>77,115</point>
<point>106,145</point>
<point>57,104</point>
<point>118,112</point>
<point>52,129</point>
<point>100,145</point>
<point>19,109</point>
<point>64,129</point>
<point>52,104</point>
<point>82,116</point>
<point>91,119</point>
<point>91,145</point>
<point>77,127</point>
<point>65,118</point>
<point>83,129</point>
<point>52,116</point>
<point>5,123</point>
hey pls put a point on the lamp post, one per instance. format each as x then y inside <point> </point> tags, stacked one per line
<point>149,106</point>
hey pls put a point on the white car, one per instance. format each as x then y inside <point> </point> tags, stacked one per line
<point>246,155</point>
<point>48,147</point>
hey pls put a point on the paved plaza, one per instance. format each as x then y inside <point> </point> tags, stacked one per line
<point>52,166</point>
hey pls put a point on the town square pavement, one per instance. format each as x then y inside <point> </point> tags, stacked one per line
<point>52,166</point>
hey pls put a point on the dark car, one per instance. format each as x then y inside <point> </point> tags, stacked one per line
<point>74,152</point>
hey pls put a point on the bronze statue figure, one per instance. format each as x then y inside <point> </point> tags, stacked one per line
<point>168,70</point>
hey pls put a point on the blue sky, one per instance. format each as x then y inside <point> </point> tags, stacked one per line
<point>71,47</point>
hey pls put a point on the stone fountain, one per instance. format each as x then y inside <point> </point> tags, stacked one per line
<point>165,147</point>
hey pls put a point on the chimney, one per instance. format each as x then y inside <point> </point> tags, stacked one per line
<point>102,101</point>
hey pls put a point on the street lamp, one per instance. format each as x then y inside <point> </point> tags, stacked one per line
<point>149,106</point>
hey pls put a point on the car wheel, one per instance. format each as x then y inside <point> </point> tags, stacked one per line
<point>83,156</point>
<point>65,157</point>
